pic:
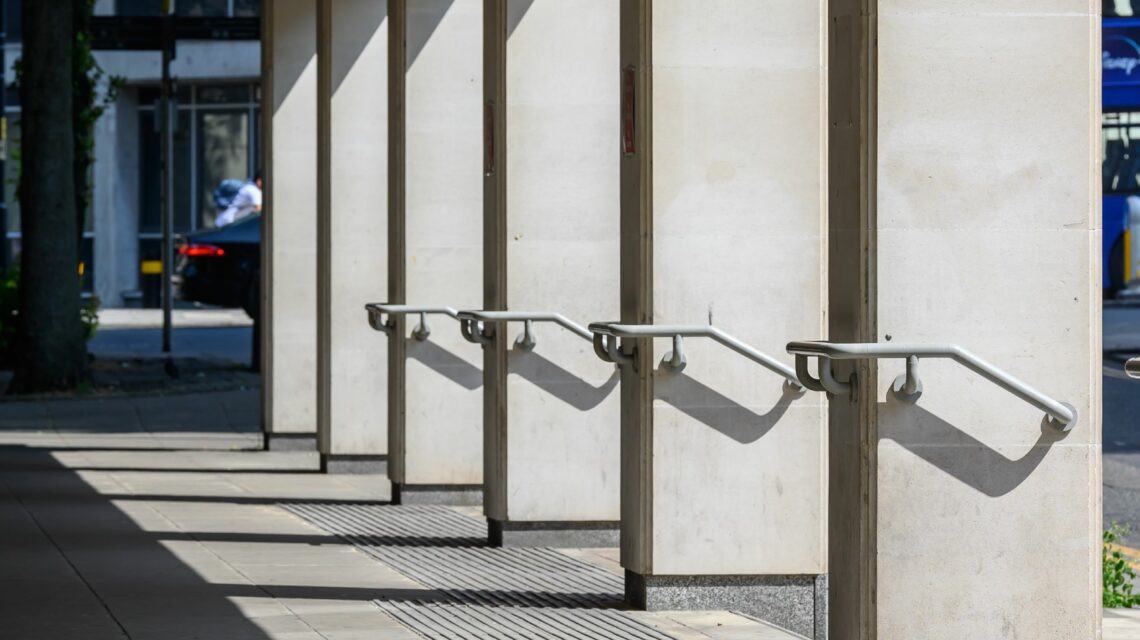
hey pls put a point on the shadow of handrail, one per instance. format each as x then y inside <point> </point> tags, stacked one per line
<point>446,363</point>
<point>718,411</point>
<point>559,382</point>
<point>987,471</point>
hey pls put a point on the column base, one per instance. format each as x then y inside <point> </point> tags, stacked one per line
<point>353,464</point>
<point>562,534</point>
<point>797,603</point>
<point>290,442</point>
<point>452,495</point>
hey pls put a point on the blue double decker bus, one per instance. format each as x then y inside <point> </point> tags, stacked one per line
<point>1120,134</point>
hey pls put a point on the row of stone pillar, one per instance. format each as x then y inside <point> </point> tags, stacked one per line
<point>859,170</point>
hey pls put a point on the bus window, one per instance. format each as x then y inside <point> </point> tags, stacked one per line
<point>1120,142</point>
<point>1121,8</point>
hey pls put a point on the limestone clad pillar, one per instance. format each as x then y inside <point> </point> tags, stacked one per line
<point>722,223</point>
<point>551,408</point>
<point>352,241</point>
<point>435,248</point>
<point>965,209</point>
<point>289,225</point>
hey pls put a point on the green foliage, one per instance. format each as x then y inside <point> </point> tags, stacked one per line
<point>9,306</point>
<point>88,105</point>
<point>89,316</point>
<point>1118,574</point>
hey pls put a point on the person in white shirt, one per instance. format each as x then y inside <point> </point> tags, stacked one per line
<point>245,203</point>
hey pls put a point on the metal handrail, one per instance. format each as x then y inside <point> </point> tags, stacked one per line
<point>376,311</point>
<point>1132,368</point>
<point>607,348</point>
<point>908,386</point>
<point>473,325</point>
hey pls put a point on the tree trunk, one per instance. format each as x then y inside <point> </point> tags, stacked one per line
<point>52,348</point>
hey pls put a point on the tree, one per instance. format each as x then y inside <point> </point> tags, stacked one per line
<point>93,91</point>
<point>52,349</point>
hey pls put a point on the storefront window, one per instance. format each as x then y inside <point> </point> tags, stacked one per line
<point>12,171</point>
<point>247,8</point>
<point>139,7</point>
<point>150,173</point>
<point>202,8</point>
<point>223,154</point>
<point>216,140</point>
<point>191,8</point>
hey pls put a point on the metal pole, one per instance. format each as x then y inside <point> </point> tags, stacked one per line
<point>167,187</point>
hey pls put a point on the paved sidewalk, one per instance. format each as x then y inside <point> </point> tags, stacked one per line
<point>1121,624</point>
<point>161,518</point>
<point>111,529</point>
<point>214,420</point>
<point>180,318</point>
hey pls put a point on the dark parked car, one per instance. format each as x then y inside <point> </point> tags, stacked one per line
<point>222,266</point>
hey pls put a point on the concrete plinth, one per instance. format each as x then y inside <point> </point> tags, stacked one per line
<point>354,464</point>
<point>797,603</point>
<point>289,265</point>
<point>551,225</point>
<point>435,428</point>
<point>559,534</point>
<point>456,495</point>
<point>290,442</point>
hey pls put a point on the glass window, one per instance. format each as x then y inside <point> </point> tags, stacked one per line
<point>150,94</point>
<point>1120,146</point>
<point>12,172</point>
<point>247,8</point>
<point>223,154</point>
<point>150,175</point>
<point>223,93</point>
<point>138,7</point>
<point>1121,8</point>
<point>202,8</point>
<point>13,20</point>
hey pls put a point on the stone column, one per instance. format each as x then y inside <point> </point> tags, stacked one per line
<point>552,193</point>
<point>352,233</point>
<point>435,248</point>
<point>722,223</point>
<point>289,225</point>
<point>964,208</point>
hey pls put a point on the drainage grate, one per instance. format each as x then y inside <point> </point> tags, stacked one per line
<point>479,592</point>
<point>506,577</point>
<point>393,526</point>
<point>448,622</point>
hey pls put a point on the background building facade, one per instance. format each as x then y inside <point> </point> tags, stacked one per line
<point>216,138</point>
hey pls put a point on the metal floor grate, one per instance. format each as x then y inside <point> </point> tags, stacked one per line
<point>448,622</point>
<point>477,591</point>
<point>384,525</point>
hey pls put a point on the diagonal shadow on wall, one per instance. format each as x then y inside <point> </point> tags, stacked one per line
<point>445,363</point>
<point>709,406</point>
<point>423,18</point>
<point>516,9</point>
<point>352,37</point>
<point>559,382</point>
<point>964,457</point>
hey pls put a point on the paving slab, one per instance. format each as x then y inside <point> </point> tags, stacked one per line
<point>113,533</point>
